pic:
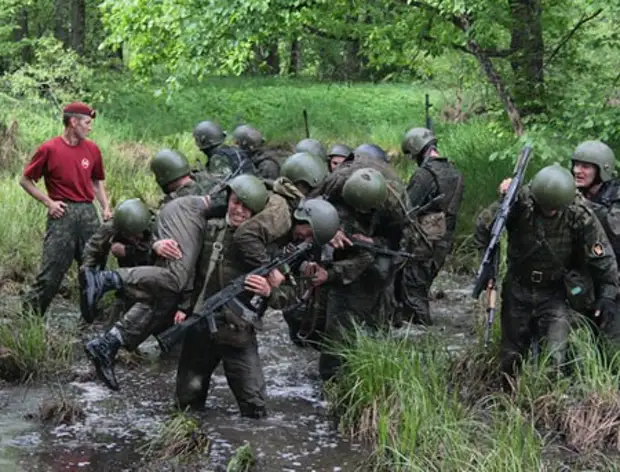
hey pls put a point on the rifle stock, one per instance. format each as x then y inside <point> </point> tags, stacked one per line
<point>214,303</point>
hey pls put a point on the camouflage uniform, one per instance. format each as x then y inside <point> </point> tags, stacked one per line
<point>267,162</point>
<point>225,159</point>
<point>540,252</point>
<point>436,176</point>
<point>64,242</point>
<point>606,206</point>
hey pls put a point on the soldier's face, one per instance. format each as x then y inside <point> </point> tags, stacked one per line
<point>81,126</point>
<point>303,232</point>
<point>584,173</point>
<point>237,211</point>
<point>335,161</point>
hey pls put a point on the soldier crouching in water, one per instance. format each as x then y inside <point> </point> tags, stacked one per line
<point>235,343</point>
<point>163,291</point>
<point>551,230</point>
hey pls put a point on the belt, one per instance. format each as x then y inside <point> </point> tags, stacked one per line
<point>538,278</point>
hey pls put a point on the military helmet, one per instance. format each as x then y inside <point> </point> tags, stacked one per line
<point>553,187</point>
<point>248,138</point>
<point>370,151</point>
<point>208,134</point>
<point>304,167</point>
<point>168,166</point>
<point>339,150</point>
<point>365,190</point>
<point>322,217</point>
<point>250,190</point>
<point>312,146</point>
<point>599,154</point>
<point>416,139</point>
<point>131,217</point>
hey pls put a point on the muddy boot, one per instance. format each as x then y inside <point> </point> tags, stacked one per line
<point>101,352</point>
<point>93,284</point>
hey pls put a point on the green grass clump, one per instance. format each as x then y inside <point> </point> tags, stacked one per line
<point>31,348</point>
<point>180,437</point>
<point>243,460</point>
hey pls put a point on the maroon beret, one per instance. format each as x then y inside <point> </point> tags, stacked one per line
<point>80,108</point>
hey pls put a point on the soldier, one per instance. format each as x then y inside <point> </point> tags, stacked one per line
<point>235,343</point>
<point>129,237</point>
<point>222,159</point>
<point>435,176</point>
<point>337,155</point>
<point>369,151</point>
<point>164,291</point>
<point>551,230</point>
<point>266,162</point>
<point>72,168</point>
<point>311,146</point>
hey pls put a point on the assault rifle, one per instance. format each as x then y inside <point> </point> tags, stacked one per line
<point>427,107</point>
<point>221,185</point>
<point>489,268</point>
<point>211,306</point>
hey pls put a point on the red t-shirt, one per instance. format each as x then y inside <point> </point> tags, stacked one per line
<point>68,171</point>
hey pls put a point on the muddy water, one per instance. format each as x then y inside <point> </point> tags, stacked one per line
<point>298,435</point>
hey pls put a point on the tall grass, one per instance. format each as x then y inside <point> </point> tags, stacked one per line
<point>415,405</point>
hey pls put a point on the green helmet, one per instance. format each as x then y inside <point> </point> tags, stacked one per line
<point>322,217</point>
<point>553,187</point>
<point>248,137</point>
<point>250,190</point>
<point>599,154</point>
<point>168,166</point>
<point>312,146</point>
<point>416,139</point>
<point>339,150</point>
<point>365,190</point>
<point>131,217</point>
<point>370,151</point>
<point>304,167</point>
<point>208,134</point>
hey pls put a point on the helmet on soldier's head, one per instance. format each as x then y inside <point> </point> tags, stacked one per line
<point>312,146</point>
<point>365,190</point>
<point>370,151</point>
<point>168,166</point>
<point>304,167</point>
<point>322,217</point>
<point>131,217</point>
<point>250,190</point>
<point>553,187</point>
<point>248,138</point>
<point>208,134</point>
<point>416,139</point>
<point>339,150</point>
<point>599,154</point>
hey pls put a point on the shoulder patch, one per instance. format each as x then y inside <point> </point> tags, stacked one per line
<point>598,249</point>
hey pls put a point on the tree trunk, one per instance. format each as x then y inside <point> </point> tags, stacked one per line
<point>294,64</point>
<point>353,66</point>
<point>504,95</point>
<point>527,61</point>
<point>272,61</point>
<point>61,23</point>
<point>78,25</point>
<point>22,32</point>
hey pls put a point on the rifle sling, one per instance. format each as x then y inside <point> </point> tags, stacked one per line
<point>216,253</point>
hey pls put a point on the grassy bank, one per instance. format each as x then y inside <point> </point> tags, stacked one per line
<point>423,410</point>
<point>134,123</point>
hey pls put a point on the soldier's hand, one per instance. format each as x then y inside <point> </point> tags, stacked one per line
<point>179,317</point>
<point>606,309</point>
<point>503,187</point>
<point>107,214</point>
<point>168,249</point>
<point>317,272</point>
<point>340,240</point>
<point>118,249</point>
<point>56,209</point>
<point>363,238</point>
<point>258,284</point>
<point>275,278</point>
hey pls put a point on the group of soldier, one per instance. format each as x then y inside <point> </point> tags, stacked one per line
<point>378,244</point>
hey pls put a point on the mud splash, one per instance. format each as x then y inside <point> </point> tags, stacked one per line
<point>297,435</point>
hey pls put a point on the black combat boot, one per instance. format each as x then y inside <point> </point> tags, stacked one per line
<point>102,351</point>
<point>93,284</point>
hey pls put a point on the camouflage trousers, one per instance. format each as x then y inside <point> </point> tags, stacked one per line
<point>532,313</point>
<point>306,324</point>
<point>201,354</point>
<point>64,242</point>
<point>143,320</point>
<point>347,306</point>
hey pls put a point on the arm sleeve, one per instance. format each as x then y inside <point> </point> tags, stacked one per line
<point>36,167</point>
<point>422,185</point>
<point>98,172</point>
<point>599,257</point>
<point>98,246</point>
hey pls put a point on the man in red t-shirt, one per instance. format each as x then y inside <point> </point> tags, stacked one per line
<point>72,169</point>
